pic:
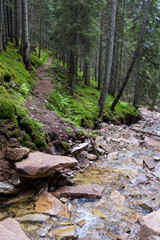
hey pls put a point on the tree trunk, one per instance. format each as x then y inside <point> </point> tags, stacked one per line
<point>25,40</point>
<point>87,68</point>
<point>100,53</point>
<point>17,20</point>
<point>137,83</point>
<point>1,23</point>
<point>110,46</point>
<point>134,57</point>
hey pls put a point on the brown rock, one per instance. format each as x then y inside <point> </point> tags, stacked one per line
<point>117,198</point>
<point>11,230</point>
<point>91,157</point>
<point>81,191</point>
<point>98,213</point>
<point>81,223</point>
<point>16,154</point>
<point>65,233</point>
<point>150,225</point>
<point>153,238</point>
<point>47,203</point>
<point>123,236</point>
<point>38,165</point>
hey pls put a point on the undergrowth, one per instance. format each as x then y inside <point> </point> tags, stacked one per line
<point>82,109</point>
<point>16,86</point>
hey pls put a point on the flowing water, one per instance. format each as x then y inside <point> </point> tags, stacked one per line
<point>131,191</point>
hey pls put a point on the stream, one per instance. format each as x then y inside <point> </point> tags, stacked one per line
<point>132,189</point>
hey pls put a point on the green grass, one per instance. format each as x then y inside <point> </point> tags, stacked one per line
<point>16,86</point>
<point>82,110</point>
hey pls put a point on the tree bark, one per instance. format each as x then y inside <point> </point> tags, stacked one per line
<point>134,57</point>
<point>137,83</point>
<point>1,23</point>
<point>25,40</point>
<point>110,46</point>
<point>17,20</point>
<point>100,53</point>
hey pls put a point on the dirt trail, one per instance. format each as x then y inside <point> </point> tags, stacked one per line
<point>52,124</point>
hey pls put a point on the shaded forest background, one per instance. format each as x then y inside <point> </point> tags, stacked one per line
<point>79,33</point>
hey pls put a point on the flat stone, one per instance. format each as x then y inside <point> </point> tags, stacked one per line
<point>124,236</point>
<point>139,180</point>
<point>16,154</point>
<point>33,218</point>
<point>91,157</point>
<point>149,164</point>
<point>81,191</point>
<point>65,233</point>
<point>47,203</point>
<point>113,156</point>
<point>98,213</point>
<point>156,174</point>
<point>39,165</point>
<point>11,230</point>
<point>137,161</point>
<point>79,148</point>
<point>150,225</point>
<point>117,198</point>
<point>152,143</point>
<point>6,188</point>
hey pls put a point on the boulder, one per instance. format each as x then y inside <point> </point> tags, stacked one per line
<point>11,230</point>
<point>49,204</point>
<point>81,191</point>
<point>150,225</point>
<point>16,154</point>
<point>39,165</point>
<point>79,148</point>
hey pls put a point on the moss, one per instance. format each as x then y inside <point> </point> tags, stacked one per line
<point>7,107</point>
<point>66,146</point>
<point>35,61</point>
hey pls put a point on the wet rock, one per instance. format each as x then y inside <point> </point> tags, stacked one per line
<point>113,156</point>
<point>137,161</point>
<point>84,154</point>
<point>117,198</point>
<point>47,203</point>
<point>98,213</point>
<point>81,223</point>
<point>16,154</point>
<point>123,236</point>
<point>146,206</point>
<point>79,148</point>
<point>33,218</point>
<point>15,180</point>
<point>38,165</point>
<point>6,188</point>
<point>139,180</point>
<point>150,225</point>
<point>152,143</point>
<point>100,151</point>
<point>81,191</point>
<point>149,164</point>
<point>63,200</point>
<point>156,174</point>
<point>156,158</point>
<point>11,230</point>
<point>65,233</point>
<point>91,157</point>
<point>153,238</point>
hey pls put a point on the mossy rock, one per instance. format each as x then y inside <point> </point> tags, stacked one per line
<point>7,107</point>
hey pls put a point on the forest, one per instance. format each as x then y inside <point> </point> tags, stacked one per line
<point>80,119</point>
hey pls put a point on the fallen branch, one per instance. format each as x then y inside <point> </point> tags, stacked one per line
<point>145,132</point>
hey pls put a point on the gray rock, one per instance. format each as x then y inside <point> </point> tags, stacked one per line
<point>6,188</point>
<point>153,238</point>
<point>79,148</point>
